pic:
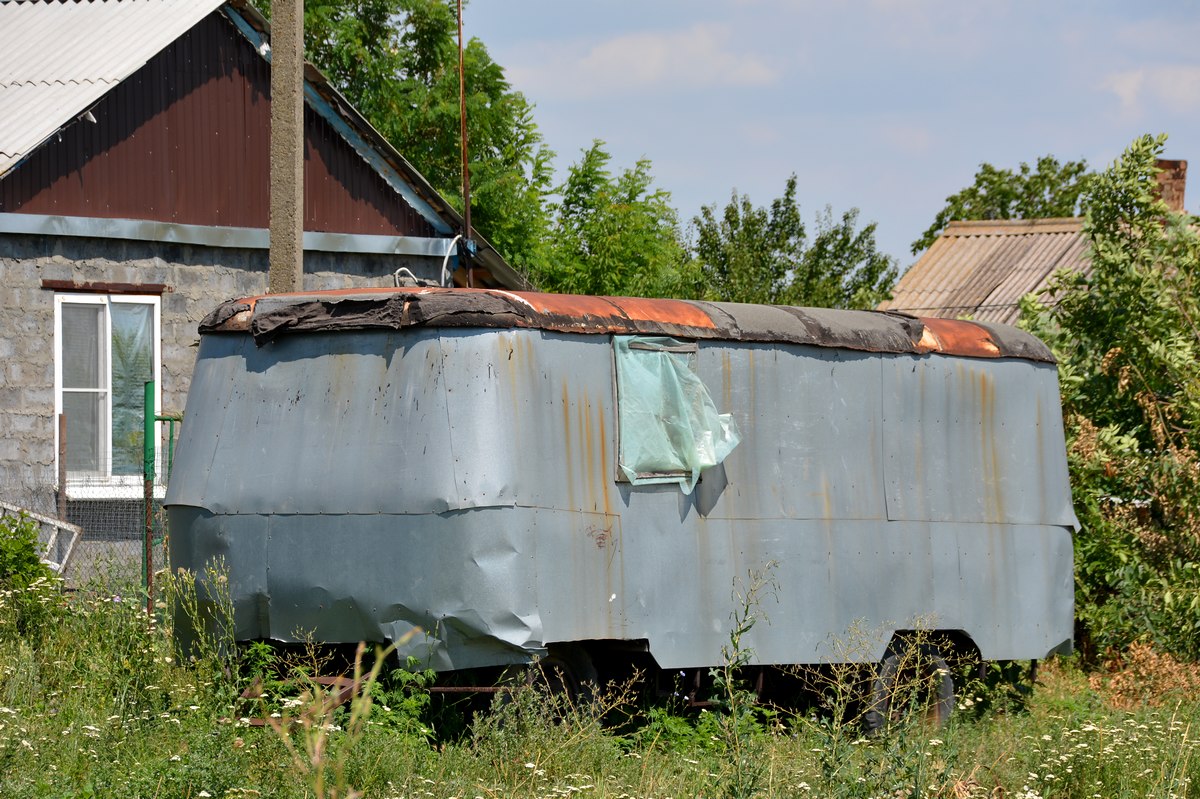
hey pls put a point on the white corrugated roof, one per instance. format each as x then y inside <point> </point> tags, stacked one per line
<point>57,59</point>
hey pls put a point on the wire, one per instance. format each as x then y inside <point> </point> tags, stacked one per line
<point>446,260</point>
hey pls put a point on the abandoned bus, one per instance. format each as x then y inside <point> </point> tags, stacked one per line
<point>516,474</point>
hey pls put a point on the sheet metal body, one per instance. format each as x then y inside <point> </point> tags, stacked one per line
<point>359,483</point>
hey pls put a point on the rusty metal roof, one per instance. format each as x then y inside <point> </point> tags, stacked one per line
<point>983,269</point>
<point>270,316</point>
<point>57,59</point>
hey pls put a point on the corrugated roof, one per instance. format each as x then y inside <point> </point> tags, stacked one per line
<point>57,59</point>
<point>983,269</point>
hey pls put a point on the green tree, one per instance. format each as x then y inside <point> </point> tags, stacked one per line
<point>397,62</point>
<point>613,234</point>
<point>1127,336</point>
<point>763,255</point>
<point>1048,190</point>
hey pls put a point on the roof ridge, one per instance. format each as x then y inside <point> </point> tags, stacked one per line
<point>976,227</point>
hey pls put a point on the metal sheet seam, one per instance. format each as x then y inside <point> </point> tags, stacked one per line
<point>1074,526</point>
<point>327,112</point>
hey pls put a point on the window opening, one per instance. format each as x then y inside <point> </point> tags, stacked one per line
<point>668,426</point>
<point>107,347</point>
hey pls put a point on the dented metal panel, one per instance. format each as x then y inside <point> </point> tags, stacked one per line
<point>446,460</point>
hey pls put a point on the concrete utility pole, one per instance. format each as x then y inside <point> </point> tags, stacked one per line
<point>287,146</point>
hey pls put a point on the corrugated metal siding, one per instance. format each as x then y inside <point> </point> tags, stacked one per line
<point>983,269</point>
<point>186,139</point>
<point>343,194</point>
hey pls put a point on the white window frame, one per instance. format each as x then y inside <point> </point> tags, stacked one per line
<point>106,485</point>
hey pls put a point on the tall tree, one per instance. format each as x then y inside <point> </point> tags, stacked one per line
<point>613,234</point>
<point>1049,189</point>
<point>397,62</point>
<point>763,255</point>
<point>1127,336</point>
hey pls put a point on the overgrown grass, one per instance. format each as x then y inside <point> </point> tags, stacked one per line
<point>94,702</point>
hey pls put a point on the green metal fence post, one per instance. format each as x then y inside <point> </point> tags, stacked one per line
<point>148,484</point>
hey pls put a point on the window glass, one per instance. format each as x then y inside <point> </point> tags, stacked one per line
<point>82,331</point>
<point>669,427</point>
<point>106,349</point>
<point>84,410</point>
<point>132,366</point>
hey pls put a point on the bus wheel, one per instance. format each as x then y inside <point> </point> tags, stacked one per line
<point>912,683</point>
<point>565,673</point>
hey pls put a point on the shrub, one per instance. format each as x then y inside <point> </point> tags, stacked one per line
<point>1126,337</point>
<point>20,559</point>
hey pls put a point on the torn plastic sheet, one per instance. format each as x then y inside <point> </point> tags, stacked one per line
<point>670,430</point>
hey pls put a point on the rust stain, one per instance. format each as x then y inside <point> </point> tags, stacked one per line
<point>997,483</point>
<point>566,411</point>
<point>614,313</point>
<point>605,480</point>
<point>953,336</point>
<point>584,411</point>
<point>508,346</point>
<point>601,536</point>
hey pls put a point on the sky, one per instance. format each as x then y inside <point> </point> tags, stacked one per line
<point>888,106</point>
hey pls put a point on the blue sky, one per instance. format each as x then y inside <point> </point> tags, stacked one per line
<point>884,105</point>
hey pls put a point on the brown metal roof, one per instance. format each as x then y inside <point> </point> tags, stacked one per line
<point>273,315</point>
<point>159,111</point>
<point>983,269</point>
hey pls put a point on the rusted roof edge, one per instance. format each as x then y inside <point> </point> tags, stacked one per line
<point>269,317</point>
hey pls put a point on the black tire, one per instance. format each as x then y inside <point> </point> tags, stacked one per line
<point>911,678</point>
<point>566,672</point>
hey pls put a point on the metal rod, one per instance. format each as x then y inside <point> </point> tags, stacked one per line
<point>148,485</point>
<point>466,172</point>
<point>171,419</point>
<point>62,466</point>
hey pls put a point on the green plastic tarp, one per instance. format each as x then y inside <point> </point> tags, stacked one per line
<point>670,430</point>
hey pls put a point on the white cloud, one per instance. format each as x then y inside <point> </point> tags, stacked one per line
<point>693,58</point>
<point>1174,86</point>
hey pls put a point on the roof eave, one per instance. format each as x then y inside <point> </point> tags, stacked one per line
<point>487,255</point>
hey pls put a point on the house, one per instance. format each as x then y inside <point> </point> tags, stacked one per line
<point>982,269</point>
<point>134,174</point>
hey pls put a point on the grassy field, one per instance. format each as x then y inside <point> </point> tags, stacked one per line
<point>93,702</point>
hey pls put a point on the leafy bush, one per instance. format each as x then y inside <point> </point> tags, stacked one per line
<point>20,558</point>
<point>1127,336</point>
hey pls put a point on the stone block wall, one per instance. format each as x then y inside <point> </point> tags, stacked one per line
<point>197,279</point>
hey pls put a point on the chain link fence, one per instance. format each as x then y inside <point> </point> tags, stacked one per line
<point>110,550</point>
<point>115,516</point>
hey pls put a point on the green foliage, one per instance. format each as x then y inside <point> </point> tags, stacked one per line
<point>613,234</point>
<point>403,700</point>
<point>1128,345</point>
<point>762,255</point>
<point>20,553</point>
<point>1049,189</point>
<point>397,62</point>
<point>100,706</point>
<point>739,729</point>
